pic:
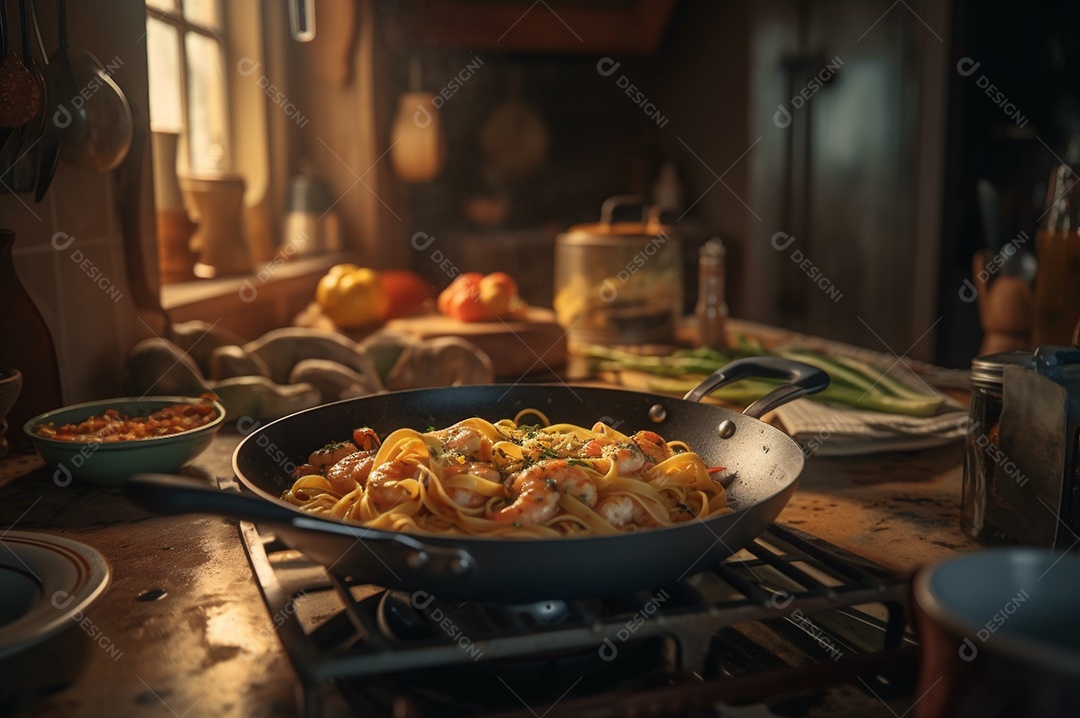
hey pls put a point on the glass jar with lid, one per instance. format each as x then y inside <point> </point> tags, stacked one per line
<point>981,509</point>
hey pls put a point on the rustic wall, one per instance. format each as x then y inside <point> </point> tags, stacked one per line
<point>92,318</point>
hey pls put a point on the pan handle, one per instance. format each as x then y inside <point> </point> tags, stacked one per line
<point>802,379</point>
<point>167,494</point>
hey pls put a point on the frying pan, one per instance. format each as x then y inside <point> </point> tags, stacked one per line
<point>766,463</point>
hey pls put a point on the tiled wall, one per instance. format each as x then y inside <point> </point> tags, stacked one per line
<point>92,318</point>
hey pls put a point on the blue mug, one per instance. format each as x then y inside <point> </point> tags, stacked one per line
<point>1000,635</point>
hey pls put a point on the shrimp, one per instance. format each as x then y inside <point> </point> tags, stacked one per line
<point>366,438</point>
<point>622,510</point>
<point>653,446</point>
<point>350,472</point>
<point>331,454</point>
<point>593,449</point>
<point>384,483</point>
<point>628,457</point>
<point>536,491</point>
<point>468,498</point>
<point>303,470</point>
<point>466,441</point>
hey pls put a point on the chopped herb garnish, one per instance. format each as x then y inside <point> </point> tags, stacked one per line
<point>551,484</point>
<point>430,427</point>
<point>578,462</point>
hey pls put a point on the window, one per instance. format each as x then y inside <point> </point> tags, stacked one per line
<point>187,58</point>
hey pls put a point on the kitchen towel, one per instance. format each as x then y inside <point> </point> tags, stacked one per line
<point>833,430</point>
<point>825,429</point>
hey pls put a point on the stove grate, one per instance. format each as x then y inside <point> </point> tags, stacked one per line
<point>789,610</point>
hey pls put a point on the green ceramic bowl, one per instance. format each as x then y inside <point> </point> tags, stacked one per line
<point>112,462</point>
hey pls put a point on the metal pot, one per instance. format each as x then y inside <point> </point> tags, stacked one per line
<point>766,464</point>
<point>619,282</point>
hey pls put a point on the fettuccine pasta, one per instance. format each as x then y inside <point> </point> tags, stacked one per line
<point>509,479</point>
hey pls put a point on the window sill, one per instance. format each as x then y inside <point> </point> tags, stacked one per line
<point>250,305</point>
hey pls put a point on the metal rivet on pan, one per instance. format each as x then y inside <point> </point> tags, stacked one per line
<point>417,559</point>
<point>726,429</point>
<point>460,566</point>
<point>657,413</point>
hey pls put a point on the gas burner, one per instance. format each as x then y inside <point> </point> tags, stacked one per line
<point>402,616</point>
<point>776,623</point>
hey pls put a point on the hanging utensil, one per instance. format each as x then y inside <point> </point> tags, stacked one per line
<point>96,131</point>
<point>50,138</point>
<point>417,138</point>
<point>29,153</point>
<point>5,131</point>
<point>302,20</point>
<point>22,151</point>
<point>514,138</point>
<point>20,97</point>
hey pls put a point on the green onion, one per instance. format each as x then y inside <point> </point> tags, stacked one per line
<point>854,383</point>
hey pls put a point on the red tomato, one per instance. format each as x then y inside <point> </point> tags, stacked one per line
<point>407,292</point>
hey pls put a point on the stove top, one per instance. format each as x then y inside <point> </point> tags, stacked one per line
<point>790,626</point>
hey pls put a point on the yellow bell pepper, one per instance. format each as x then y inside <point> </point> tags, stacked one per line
<point>352,296</point>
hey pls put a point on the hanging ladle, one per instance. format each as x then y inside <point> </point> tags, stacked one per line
<point>92,113</point>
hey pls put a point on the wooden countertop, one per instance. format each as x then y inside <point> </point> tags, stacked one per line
<point>207,646</point>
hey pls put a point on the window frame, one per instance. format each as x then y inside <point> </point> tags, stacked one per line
<point>175,18</point>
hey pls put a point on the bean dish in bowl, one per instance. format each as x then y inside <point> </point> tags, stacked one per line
<point>109,440</point>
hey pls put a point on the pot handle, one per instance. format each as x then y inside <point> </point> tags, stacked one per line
<point>650,214</point>
<point>167,494</point>
<point>802,379</point>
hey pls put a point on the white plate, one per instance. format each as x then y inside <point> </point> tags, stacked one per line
<point>45,582</point>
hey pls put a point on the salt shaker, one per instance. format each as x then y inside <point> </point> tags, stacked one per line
<point>711,311</point>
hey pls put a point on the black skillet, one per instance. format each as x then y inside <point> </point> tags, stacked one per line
<point>766,463</point>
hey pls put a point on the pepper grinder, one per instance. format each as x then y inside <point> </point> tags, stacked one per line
<point>711,311</point>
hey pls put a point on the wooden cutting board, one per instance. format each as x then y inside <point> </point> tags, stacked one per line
<point>533,345</point>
